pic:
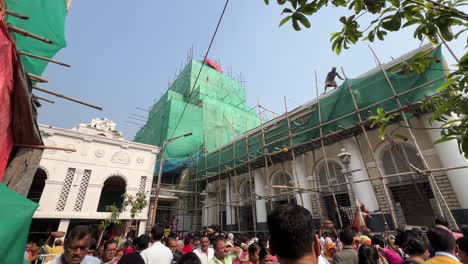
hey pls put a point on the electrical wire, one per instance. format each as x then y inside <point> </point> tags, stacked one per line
<point>201,68</point>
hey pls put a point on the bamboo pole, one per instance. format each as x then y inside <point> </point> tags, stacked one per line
<point>27,34</point>
<point>42,58</point>
<point>266,171</point>
<point>254,213</point>
<point>66,97</point>
<point>43,147</point>
<point>432,180</point>
<point>43,99</point>
<point>374,158</point>
<point>327,170</point>
<point>20,16</point>
<point>37,78</point>
<point>294,170</point>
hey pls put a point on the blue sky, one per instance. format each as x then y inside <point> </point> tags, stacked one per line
<point>123,55</point>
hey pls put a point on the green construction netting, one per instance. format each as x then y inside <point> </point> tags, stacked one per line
<point>14,224</point>
<point>46,19</point>
<point>215,112</point>
<point>337,112</point>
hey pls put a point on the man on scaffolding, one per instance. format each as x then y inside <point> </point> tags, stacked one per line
<point>330,80</point>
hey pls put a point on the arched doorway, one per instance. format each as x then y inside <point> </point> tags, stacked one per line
<point>112,191</point>
<point>334,191</point>
<point>412,194</point>
<point>285,194</point>
<point>245,206</point>
<point>37,186</point>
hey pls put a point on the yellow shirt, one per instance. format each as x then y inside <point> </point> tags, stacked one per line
<point>52,250</point>
<point>442,260</point>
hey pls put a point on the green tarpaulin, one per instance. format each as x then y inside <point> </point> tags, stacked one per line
<point>46,19</point>
<point>15,219</point>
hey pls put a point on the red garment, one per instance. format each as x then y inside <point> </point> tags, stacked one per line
<point>187,248</point>
<point>129,250</point>
<point>7,65</point>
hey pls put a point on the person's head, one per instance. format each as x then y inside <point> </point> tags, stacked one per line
<point>186,241</point>
<point>441,221</point>
<point>76,244</point>
<point>29,246</point>
<point>417,248</point>
<point>230,236</point>
<point>58,243</point>
<point>110,248</point>
<point>92,248</point>
<point>204,243</point>
<point>292,235</point>
<point>189,258</point>
<point>378,240</point>
<point>366,232</point>
<point>141,242</point>
<point>171,244</point>
<point>333,69</point>
<point>128,244</point>
<point>157,233</point>
<point>120,253</point>
<point>347,237</point>
<point>180,246</point>
<point>265,257</point>
<point>363,207</point>
<point>253,252</point>
<point>220,249</point>
<point>262,242</point>
<point>462,244</point>
<point>441,240</point>
<point>368,255</point>
<point>402,238</point>
<point>417,231</point>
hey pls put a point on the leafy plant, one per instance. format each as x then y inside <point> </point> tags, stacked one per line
<point>435,20</point>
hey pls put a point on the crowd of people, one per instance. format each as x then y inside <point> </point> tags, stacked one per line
<point>291,239</point>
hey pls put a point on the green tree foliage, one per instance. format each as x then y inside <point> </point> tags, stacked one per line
<point>436,20</point>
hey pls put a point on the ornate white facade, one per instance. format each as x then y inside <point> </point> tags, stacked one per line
<point>76,180</point>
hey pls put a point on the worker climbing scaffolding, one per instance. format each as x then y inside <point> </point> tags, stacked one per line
<point>330,80</point>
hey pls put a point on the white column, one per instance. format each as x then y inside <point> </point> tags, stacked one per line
<point>300,181</point>
<point>142,228</point>
<point>230,212</point>
<point>362,190</point>
<point>450,156</point>
<point>260,191</point>
<point>63,226</point>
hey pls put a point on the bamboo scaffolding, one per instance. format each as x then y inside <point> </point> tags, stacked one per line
<point>42,58</point>
<point>27,34</point>
<point>432,181</point>
<point>374,158</point>
<point>43,99</point>
<point>20,16</point>
<point>294,169</point>
<point>36,78</point>
<point>43,147</point>
<point>327,170</point>
<point>66,97</point>
<point>250,172</point>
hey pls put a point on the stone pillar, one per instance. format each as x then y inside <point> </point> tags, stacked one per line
<point>300,181</point>
<point>205,213</point>
<point>450,156</point>
<point>260,204</point>
<point>230,209</point>
<point>362,190</point>
<point>142,227</point>
<point>63,226</point>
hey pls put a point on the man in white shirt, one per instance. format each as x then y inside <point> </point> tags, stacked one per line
<point>157,253</point>
<point>204,252</point>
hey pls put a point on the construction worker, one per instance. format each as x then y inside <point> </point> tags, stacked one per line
<point>330,81</point>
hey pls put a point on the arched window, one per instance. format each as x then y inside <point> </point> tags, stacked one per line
<point>37,186</point>
<point>111,193</point>
<point>281,178</point>
<point>333,176</point>
<point>396,158</point>
<point>244,191</point>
